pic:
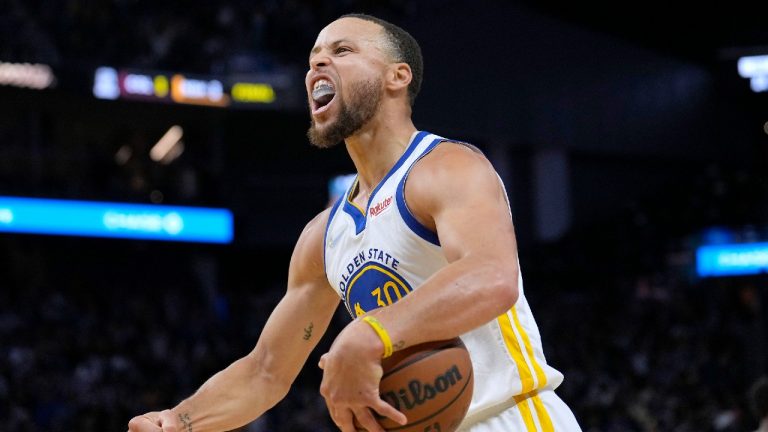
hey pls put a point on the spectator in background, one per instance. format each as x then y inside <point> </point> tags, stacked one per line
<point>758,395</point>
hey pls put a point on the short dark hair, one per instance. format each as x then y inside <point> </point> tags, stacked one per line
<point>758,396</point>
<point>406,50</point>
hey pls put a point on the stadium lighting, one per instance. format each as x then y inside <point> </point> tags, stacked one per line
<point>732,259</point>
<point>26,75</point>
<point>169,147</point>
<point>754,68</point>
<point>115,220</point>
<point>105,83</point>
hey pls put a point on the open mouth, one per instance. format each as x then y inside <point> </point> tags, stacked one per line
<point>323,94</point>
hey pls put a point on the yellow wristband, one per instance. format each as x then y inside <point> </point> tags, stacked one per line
<point>382,332</point>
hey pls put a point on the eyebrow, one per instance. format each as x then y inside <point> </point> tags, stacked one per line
<point>335,43</point>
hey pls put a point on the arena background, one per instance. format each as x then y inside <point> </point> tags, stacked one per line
<point>625,135</point>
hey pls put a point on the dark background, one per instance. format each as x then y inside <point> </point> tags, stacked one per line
<point>622,132</point>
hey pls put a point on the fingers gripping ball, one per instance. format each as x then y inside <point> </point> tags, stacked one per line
<point>430,383</point>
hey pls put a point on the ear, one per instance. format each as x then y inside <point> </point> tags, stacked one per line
<point>399,76</point>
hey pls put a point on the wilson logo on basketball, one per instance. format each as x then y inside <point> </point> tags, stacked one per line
<point>380,207</point>
<point>417,393</point>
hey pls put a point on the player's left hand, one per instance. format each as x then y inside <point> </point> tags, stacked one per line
<point>351,375</point>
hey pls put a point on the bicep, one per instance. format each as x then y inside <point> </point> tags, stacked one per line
<point>475,223</point>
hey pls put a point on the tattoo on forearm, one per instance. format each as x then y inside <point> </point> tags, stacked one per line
<point>308,331</point>
<point>398,345</point>
<point>186,422</point>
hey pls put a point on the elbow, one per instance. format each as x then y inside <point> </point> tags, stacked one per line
<point>505,291</point>
<point>278,388</point>
<point>267,379</point>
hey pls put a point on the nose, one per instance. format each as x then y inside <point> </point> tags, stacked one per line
<point>319,60</point>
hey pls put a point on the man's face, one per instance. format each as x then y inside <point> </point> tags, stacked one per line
<point>344,81</point>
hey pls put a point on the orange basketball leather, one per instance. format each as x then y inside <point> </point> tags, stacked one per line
<point>431,384</point>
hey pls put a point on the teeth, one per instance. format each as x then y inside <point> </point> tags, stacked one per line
<point>322,82</point>
<point>323,91</point>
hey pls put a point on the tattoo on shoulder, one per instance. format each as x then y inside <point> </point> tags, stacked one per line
<point>308,331</point>
<point>398,345</point>
<point>186,422</point>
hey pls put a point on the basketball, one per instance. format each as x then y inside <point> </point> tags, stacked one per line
<point>431,384</point>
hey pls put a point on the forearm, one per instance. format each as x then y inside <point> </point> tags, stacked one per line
<point>231,398</point>
<point>460,297</point>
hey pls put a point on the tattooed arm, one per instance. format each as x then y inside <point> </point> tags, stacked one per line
<point>253,384</point>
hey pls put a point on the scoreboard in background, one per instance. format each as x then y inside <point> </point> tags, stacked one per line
<point>116,220</point>
<point>278,91</point>
<point>755,69</point>
<point>732,259</point>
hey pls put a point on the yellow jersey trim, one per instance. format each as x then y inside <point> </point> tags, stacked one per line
<point>542,414</point>
<point>349,197</point>
<point>513,346</point>
<point>541,378</point>
<point>525,412</point>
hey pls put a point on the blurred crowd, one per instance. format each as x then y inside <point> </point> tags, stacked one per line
<point>662,354</point>
<point>651,346</point>
<point>232,36</point>
<point>87,341</point>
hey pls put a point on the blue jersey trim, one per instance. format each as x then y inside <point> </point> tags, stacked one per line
<point>357,216</point>
<point>416,226</point>
<point>327,227</point>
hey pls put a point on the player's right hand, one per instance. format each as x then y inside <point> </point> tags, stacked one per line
<point>352,374</point>
<point>163,421</point>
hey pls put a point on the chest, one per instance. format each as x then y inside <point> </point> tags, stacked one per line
<point>380,264</point>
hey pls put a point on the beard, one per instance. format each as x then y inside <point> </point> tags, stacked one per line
<point>365,97</point>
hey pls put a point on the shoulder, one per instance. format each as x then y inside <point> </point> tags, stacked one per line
<point>452,176</point>
<point>308,253</point>
<point>449,156</point>
<point>314,231</point>
<point>450,168</point>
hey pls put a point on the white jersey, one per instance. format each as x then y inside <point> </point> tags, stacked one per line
<point>375,256</point>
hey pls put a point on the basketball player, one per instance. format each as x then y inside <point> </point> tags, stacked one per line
<point>420,248</point>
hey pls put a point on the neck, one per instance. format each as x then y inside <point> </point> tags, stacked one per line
<point>375,149</point>
<point>763,425</point>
